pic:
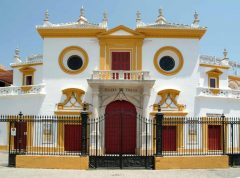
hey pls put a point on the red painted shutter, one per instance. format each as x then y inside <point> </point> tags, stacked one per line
<point>72,137</point>
<point>214,137</point>
<point>120,60</point>
<point>169,138</point>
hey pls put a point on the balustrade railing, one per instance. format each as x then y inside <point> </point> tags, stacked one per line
<point>120,75</point>
<point>20,90</point>
<point>226,93</point>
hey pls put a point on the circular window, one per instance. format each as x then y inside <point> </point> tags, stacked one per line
<point>168,60</point>
<point>167,63</point>
<point>74,62</point>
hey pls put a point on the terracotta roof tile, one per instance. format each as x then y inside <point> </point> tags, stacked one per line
<point>6,76</point>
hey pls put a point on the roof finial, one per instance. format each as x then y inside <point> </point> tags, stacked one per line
<point>105,16</point>
<point>104,22</point>
<point>138,14</point>
<point>17,56</point>
<point>161,19</point>
<point>196,20</point>
<point>82,19</point>
<point>225,53</point>
<point>139,22</point>
<point>160,12</point>
<point>82,11</point>
<point>46,17</point>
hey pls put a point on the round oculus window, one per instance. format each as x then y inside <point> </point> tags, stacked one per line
<point>74,62</point>
<point>167,63</point>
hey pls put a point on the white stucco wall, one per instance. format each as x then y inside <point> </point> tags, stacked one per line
<point>56,80</point>
<point>185,81</point>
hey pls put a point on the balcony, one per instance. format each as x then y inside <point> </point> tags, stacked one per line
<point>112,77</point>
<point>221,93</point>
<point>120,75</point>
<point>22,90</point>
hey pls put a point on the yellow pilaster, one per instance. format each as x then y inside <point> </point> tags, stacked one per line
<point>139,55</point>
<point>102,55</point>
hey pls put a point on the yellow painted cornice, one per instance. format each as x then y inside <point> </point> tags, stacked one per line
<point>233,77</point>
<point>172,33</point>
<point>215,71</point>
<point>64,112</point>
<point>69,33</point>
<point>214,66</point>
<point>27,65</point>
<point>170,113</point>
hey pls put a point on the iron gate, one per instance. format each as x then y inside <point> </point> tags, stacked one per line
<point>121,139</point>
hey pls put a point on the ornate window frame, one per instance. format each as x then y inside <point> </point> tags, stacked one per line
<point>174,51</point>
<point>27,71</point>
<point>214,74</point>
<point>67,50</point>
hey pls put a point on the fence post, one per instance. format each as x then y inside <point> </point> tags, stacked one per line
<point>159,123</point>
<point>84,116</point>
<point>223,133</point>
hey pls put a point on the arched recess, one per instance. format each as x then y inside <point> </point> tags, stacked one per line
<point>120,128</point>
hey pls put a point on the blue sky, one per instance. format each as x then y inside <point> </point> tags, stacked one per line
<point>18,19</point>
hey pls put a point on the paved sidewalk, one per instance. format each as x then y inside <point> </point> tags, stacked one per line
<point>6,172</point>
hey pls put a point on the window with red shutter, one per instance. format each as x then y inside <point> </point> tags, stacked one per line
<point>120,60</point>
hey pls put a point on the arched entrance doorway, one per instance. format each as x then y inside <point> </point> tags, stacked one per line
<point>120,128</point>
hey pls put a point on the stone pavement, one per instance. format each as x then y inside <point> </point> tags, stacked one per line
<point>6,172</point>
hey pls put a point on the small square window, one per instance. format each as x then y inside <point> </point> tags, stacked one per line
<point>28,80</point>
<point>213,83</point>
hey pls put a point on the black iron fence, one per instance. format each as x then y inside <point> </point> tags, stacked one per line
<point>140,139</point>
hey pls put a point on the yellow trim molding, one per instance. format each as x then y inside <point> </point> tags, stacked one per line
<point>71,48</point>
<point>3,147</point>
<point>69,33</point>
<point>214,66</point>
<point>27,71</point>
<point>133,33</point>
<point>26,88</point>
<point>215,73</point>
<point>233,77</point>
<point>170,113</point>
<point>171,33</point>
<point>26,65</point>
<point>156,60</point>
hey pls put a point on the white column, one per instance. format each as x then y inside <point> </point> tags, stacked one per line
<point>95,101</point>
<point>94,131</point>
<point>145,133</point>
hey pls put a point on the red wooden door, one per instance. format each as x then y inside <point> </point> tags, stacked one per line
<point>169,138</point>
<point>72,137</point>
<point>20,140</point>
<point>214,137</point>
<point>120,128</point>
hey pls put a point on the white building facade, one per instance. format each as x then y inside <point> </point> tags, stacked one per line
<point>155,65</point>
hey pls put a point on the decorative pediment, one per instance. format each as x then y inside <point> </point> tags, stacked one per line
<point>72,99</point>
<point>168,101</point>
<point>27,70</point>
<point>215,72</point>
<point>121,31</point>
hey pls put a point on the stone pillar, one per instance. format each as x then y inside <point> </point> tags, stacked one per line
<point>146,124</point>
<point>95,140</point>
